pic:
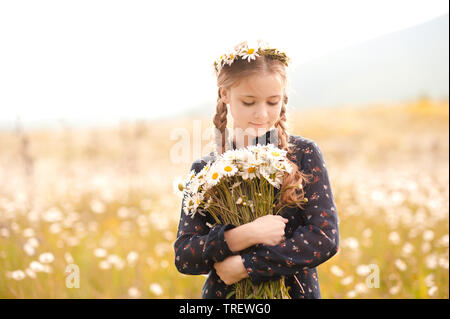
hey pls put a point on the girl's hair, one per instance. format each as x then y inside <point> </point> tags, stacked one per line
<point>230,75</point>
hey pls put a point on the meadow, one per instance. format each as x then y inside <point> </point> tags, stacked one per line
<point>101,200</point>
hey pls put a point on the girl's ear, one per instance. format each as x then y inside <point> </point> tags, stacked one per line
<point>225,97</point>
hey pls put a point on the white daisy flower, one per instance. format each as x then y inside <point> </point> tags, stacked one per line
<point>178,186</point>
<point>230,58</point>
<point>243,155</point>
<point>274,152</point>
<point>194,186</point>
<point>228,169</point>
<point>249,171</point>
<point>213,176</point>
<point>274,180</point>
<point>249,53</point>
<point>230,155</point>
<point>283,166</point>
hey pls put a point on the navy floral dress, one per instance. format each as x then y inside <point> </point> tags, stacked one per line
<point>312,235</point>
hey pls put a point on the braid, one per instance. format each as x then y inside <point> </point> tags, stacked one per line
<point>281,125</point>
<point>290,181</point>
<point>220,121</point>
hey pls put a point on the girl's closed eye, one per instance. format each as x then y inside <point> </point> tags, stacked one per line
<point>270,103</point>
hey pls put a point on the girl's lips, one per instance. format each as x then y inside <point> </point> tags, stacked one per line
<point>257,124</point>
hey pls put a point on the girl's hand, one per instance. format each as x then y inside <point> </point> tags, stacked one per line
<point>231,270</point>
<point>269,229</point>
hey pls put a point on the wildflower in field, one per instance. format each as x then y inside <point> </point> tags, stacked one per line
<point>443,241</point>
<point>432,291</point>
<point>36,266</point>
<point>4,232</point>
<point>132,258</point>
<point>47,269</point>
<point>426,247</point>
<point>351,242</point>
<point>407,249</point>
<point>394,237</point>
<point>68,258</point>
<point>115,260</point>
<point>28,232</point>
<point>133,292</point>
<point>55,228</point>
<point>97,206</point>
<point>337,271</point>
<point>363,270</point>
<point>52,215</point>
<point>443,262</point>
<point>100,252</point>
<point>395,289</point>
<point>16,275</point>
<point>123,212</point>
<point>431,261</point>
<point>30,273</point>
<point>46,258</point>
<point>400,264</point>
<point>361,288</point>
<point>429,280</point>
<point>428,235</point>
<point>347,280</point>
<point>156,289</point>
<point>29,249</point>
<point>104,264</point>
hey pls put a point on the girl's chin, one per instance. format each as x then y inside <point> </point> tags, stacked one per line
<point>253,130</point>
<point>257,126</point>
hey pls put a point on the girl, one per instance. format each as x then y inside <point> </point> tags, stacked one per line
<point>252,82</point>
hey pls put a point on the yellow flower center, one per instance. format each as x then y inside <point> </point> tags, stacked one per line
<point>215,175</point>
<point>275,154</point>
<point>250,51</point>
<point>228,169</point>
<point>180,187</point>
<point>251,170</point>
<point>232,56</point>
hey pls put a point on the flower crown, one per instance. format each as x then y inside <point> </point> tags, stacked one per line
<point>244,51</point>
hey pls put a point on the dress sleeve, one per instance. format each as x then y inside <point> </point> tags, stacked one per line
<point>312,243</point>
<point>198,246</point>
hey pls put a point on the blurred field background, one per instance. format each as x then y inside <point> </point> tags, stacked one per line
<point>102,199</point>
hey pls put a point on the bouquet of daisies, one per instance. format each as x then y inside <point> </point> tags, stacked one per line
<point>236,188</point>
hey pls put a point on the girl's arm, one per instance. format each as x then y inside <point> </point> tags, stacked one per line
<point>311,244</point>
<point>198,247</point>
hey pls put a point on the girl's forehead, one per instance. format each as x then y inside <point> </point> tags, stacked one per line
<point>261,86</point>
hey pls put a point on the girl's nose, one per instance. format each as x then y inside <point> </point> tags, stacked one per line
<point>260,113</point>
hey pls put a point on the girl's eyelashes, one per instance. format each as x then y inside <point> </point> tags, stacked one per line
<point>248,104</point>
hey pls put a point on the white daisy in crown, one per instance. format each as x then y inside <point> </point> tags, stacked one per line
<point>230,57</point>
<point>249,53</point>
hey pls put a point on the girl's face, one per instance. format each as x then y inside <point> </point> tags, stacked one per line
<point>255,104</point>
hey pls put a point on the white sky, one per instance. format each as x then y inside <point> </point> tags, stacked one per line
<point>112,60</point>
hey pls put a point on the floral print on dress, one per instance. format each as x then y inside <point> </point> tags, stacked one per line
<point>312,237</point>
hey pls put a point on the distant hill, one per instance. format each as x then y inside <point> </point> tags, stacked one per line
<point>399,66</point>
